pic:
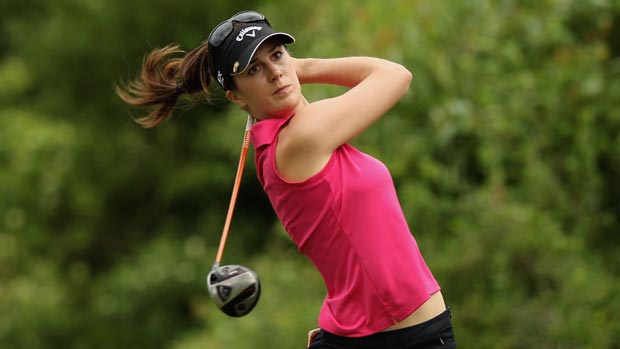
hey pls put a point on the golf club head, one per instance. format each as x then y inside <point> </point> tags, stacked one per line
<point>234,288</point>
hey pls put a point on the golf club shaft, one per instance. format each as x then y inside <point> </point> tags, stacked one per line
<point>235,191</point>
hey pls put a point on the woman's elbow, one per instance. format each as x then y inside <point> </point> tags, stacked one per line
<point>403,78</point>
<point>407,76</point>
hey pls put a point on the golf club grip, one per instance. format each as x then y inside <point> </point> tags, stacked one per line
<point>235,191</point>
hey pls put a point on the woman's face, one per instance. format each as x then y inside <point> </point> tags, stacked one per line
<point>268,88</point>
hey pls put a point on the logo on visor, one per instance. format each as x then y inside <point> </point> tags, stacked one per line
<point>249,31</point>
<point>220,78</point>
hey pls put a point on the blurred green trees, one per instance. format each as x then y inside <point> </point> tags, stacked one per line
<point>506,155</point>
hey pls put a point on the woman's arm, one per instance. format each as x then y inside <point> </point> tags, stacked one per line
<point>347,72</point>
<point>375,86</point>
<point>306,144</point>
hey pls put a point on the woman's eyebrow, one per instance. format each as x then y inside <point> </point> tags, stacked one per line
<point>275,46</point>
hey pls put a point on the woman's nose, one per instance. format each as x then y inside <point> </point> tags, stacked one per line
<point>275,72</point>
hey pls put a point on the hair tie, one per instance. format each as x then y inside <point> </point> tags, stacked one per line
<point>179,89</point>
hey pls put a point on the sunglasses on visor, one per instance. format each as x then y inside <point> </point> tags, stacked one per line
<point>223,30</point>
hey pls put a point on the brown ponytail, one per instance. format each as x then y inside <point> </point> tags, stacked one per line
<point>164,78</point>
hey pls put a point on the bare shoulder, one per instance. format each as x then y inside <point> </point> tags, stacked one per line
<point>299,152</point>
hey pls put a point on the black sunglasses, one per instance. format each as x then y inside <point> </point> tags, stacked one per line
<point>221,32</point>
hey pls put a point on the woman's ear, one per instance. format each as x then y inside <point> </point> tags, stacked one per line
<point>234,97</point>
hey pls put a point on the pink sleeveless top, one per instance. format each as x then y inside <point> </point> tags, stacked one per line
<point>347,220</point>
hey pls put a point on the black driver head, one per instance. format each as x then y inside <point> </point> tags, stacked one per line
<point>234,288</point>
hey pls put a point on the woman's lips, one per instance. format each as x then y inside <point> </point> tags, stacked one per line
<point>281,89</point>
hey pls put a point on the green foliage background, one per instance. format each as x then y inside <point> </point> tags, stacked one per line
<point>506,155</point>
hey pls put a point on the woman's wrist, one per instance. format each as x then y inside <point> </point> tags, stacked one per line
<point>300,64</point>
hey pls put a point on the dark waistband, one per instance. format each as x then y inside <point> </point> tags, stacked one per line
<point>396,337</point>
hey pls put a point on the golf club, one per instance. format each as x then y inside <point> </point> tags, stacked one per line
<point>235,289</point>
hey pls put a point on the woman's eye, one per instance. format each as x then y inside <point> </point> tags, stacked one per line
<point>277,55</point>
<point>253,69</point>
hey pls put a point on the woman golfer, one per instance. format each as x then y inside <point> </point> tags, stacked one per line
<point>338,204</point>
